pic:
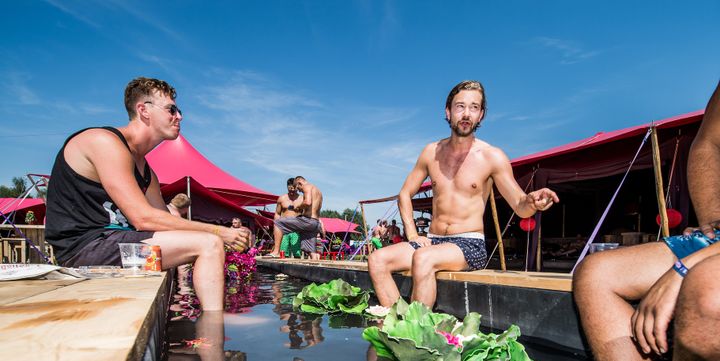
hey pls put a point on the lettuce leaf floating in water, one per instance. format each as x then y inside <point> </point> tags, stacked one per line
<point>331,297</point>
<point>414,332</point>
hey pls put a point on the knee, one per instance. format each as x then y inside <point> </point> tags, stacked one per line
<point>590,274</point>
<point>377,262</point>
<point>699,297</point>
<point>213,246</point>
<point>423,263</point>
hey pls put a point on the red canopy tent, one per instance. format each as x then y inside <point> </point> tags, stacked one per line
<point>336,225</point>
<point>207,206</point>
<point>177,159</point>
<point>21,207</point>
<point>603,155</point>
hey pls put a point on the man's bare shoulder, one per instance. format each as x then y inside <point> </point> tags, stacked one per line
<point>95,146</point>
<point>283,197</point>
<point>431,148</point>
<point>489,153</point>
<point>96,137</point>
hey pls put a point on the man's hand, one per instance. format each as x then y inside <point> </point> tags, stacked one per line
<point>650,321</point>
<point>542,199</point>
<point>236,239</point>
<point>708,229</point>
<point>422,241</point>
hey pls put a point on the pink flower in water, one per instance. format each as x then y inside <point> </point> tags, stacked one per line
<point>197,343</point>
<point>451,339</point>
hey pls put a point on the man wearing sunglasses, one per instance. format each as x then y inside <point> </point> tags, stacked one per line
<point>103,193</point>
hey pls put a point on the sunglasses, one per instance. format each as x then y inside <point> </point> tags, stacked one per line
<point>172,109</point>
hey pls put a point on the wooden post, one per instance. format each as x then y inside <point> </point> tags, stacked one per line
<point>563,221</point>
<point>659,190</point>
<point>538,254</point>
<point>501,247</point>
<point>189,212</point>
<point>364,224</point>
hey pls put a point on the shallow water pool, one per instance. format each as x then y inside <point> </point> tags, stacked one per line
<point>262,325</point>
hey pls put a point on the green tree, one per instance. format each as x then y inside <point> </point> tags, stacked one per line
<point>329,213</point>
<point>18,188</point>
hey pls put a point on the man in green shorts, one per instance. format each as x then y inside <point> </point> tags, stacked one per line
<point>286,207</point>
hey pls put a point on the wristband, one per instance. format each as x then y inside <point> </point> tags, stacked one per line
<point>680,268</point>
<point>216,231</point>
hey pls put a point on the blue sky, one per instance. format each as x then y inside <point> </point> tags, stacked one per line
<point>347,93</point>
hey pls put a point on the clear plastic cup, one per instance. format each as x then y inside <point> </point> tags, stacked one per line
<point>134,255</point>
<point>598,247</point>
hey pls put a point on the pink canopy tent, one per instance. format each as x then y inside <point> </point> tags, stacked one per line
<point>21,207</point>
<point>176,159</point>
<point>207,206</point>
<point>332,225</point>
<point>336,225</point>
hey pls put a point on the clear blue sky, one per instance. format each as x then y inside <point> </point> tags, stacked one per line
<point>347,93</point>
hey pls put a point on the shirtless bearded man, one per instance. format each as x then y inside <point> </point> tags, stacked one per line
<point>307,224</point>
<point>462,170</point>
<point>286,206</point>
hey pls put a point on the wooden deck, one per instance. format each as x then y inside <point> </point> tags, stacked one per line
<point>94,319</point>
<point>537,280</point>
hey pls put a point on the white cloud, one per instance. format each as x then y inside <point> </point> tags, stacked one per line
<point>17,90</point>
<point>73,12</point>
<point>257,125</point>
<point>570,51</point>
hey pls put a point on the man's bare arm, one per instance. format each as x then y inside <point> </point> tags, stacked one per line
<point>307,198</point>
<point>703,162</point>
<point>278,208</point>
<point>153,194</point>
<point>409,189</point>
<point>502,175</point>
<point>114,167</point>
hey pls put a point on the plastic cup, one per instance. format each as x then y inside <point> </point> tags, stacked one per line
<point>598,247</point>
<point>133,255</point>
<point>282,254</point>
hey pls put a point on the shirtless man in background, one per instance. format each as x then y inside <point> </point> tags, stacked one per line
<point>307,223</point>
<point>286,206</point>
<point>462,169</point>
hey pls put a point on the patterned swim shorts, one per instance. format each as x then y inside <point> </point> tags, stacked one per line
<point>472,245</point>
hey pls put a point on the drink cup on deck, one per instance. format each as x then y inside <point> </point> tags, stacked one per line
<point>282,254</point>
<point>133,255</point>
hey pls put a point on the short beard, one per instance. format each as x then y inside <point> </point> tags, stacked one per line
<point>456,129</point>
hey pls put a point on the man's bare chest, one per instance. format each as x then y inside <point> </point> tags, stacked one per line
<point>469,176</point>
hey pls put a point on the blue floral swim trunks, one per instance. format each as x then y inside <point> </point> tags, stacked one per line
<point>472,245</point>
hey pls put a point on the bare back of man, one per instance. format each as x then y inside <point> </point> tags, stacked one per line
<point>462,170</point>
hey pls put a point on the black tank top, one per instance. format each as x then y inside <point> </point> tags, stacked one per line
<point>79,210</point>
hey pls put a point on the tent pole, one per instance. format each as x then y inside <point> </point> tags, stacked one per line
<point>364,226</point>
<point>497,229</point>
<point>563,220</point>
<point>538,254</point>
<point>189,213</point>
<point>659,189</point>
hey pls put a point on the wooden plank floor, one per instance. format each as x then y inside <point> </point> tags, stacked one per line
<point>540,280</point>
<point>95,319</point>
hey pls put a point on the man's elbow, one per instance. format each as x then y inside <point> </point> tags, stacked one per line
<point>144,223</point>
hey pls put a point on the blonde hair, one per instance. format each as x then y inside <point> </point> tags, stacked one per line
<point>180,201</point>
